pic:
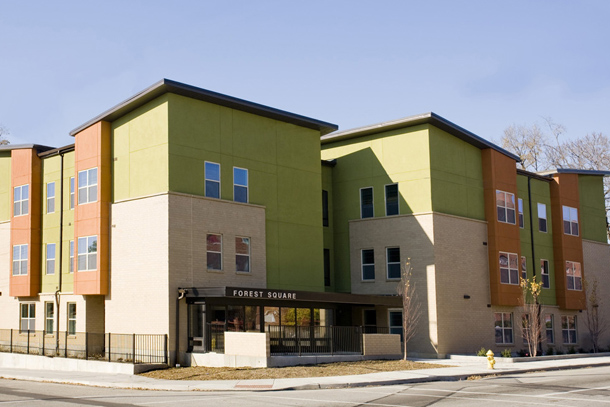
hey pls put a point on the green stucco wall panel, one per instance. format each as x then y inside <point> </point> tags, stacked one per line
<point>6,196</point>
<point>592,208</point>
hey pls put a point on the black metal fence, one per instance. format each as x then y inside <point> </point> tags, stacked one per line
<point>127,348</point>
<point>215,338</point>
<point>298,340</point>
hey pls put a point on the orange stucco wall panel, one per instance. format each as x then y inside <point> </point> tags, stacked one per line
<point>26,229</point>
<point>564,191</point>
<point>92,150</point>
<point>500,173</point>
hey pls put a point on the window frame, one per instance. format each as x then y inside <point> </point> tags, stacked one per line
<point>570,220</point>
<point>247,186</point>
<point>369,265</point>
<point>523,267</point>
<point>392,328</point>
<point>544,266</point>
<point>568,330</point>
<point>21,261</point>
<point>30,318</point>
<point>394,263</point>
<point>385,197</point>
<point>505,208</point>
<point>88,187</point>
<point>572,276</point>
<point>325,211</point>
<point>372,203</point>
<point>71,322</point>
<point>248,256</point>
<point>206,180</point>
<point>19,203</point>
<point>50,197</point>
<point>71,268</point>
<point>49,317</point>
<point>72,193</point>
<point>50,270</point>
<point>87,253</point>
<point>540,219</point>
<point>208,251</point>
<point>508,267</point>
<point>549,330</point>
<point>503,328</point>
<point>520,212</point>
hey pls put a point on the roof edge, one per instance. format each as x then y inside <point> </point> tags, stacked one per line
<point>603,173</point>
<point>38,147</point>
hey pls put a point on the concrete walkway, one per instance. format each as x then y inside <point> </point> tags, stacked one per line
<point>462,369</point>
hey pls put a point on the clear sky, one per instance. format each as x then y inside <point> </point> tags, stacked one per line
<point>482,64</point>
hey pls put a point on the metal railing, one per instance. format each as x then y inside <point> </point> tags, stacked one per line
<point>298,340</point>
<point>215,338</point>
<point>127,348</point>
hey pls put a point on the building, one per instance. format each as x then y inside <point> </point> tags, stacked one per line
<point>182,211</point>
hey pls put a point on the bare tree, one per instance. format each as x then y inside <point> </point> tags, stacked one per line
<point>411,307</point>
<point>529,143</point>
<point>3,134</point>
<point>596,323</point>
<point>532,318</point>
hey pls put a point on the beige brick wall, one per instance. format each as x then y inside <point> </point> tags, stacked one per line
<point>596,267</point>
<point>381,345</point>
<point>254,344</point>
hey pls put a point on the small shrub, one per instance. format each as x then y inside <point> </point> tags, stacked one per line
<point>571,350</point>
<point>559,351</point>
<point>550,350</point>
<point>506,353</point>
<point>482,352</point>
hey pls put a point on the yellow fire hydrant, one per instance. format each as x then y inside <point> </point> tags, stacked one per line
<point>490,359</point>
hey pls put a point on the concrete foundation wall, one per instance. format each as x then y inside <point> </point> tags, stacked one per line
<point>17,361</point>
<point>247,344</point>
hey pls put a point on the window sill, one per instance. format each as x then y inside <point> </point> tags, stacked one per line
<point>392,280</point>
<point>215,271</point>
<point>85,271</point>
<point>367,281</point>
<point>244,273</point>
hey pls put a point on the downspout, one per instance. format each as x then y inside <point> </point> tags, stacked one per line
<point>61,234</point>
<point>181,293</point>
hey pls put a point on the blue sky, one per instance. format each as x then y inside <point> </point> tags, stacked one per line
<point>482,64</point>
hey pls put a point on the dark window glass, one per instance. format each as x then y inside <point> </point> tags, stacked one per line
<point>324,208</point>
<point>368,264</point>
<point>366,202</point>
<point>326,267</point>
<point>391,199</point>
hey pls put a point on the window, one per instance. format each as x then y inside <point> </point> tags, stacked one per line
<point>520,202</point>
<point>574,275</point>
<point>50,258</point>
<point>214,251</point>
<point>368,264</point>
<point>87,253</point>
<point>240,184</point>
<point>20,200</point>
<point>71,192</point>
<point>326,267</point>
<point>391,199</point>
<point>49,317</point>
<point>212,180</point>
<point>369,321</point>
<point>568,329</point>
<point>50,197</point>
<point>524,267</point>
<point>87,186</point>
<point>28,318</point>
<point>366,203</point>
<point>542,217</point>
<point>71,318</point>
<point>525,327</point>
<point>242,254</point>
<point>325,208</point>
<point>570,221</point>
<point>548,324</point>
<point>20,260</point>
<point>544,273</point>
<point>509,268</point>
<point>395,321</point>
<point>393,263</point>
<point>505,204</point>
<point>504,327</point>
<point>71,256</point>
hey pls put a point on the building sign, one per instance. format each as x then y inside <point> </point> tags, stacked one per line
<point>263,294</point>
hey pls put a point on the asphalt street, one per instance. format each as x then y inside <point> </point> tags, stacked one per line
<point>577,387</point>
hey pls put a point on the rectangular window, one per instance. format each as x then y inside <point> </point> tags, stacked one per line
<point>326,267</point>
<point>50,197</point>
<point>240,184</point>
<point>524,267</point>
<point>568,329</point>
<point>368,264</point>
<point>369,321</point>
<point>548,324</point>
<point>542,217</point>
<point>49,317</point>
<point>87,253</point>
<point>570,221</point>
<point>393,263</point>
<point>505,204</point>
<point>214,251</point>
<point>544,273</point>
<point>21,198</point>
<point>509,268</point>
<point>520,202</point>
<point>366,203</point>
<point>71,318</point>
<point>71,192</point>
<point>395,321</point>
<point>87,186</point>
<point>574,275</point>
<point>242,254</point>
<point>504,327</point>
<point>525,327</point>
<point>20,260</point>
<point>71,256</point>
<point>212,180</point>
<point>50,258</point>
<point>325,220</point>
<point>28,317</point>
<point>391,199</point>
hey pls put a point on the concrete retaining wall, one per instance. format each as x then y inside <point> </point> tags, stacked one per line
<point>387,345</point>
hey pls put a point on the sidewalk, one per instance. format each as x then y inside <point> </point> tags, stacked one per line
<point>463,368</point>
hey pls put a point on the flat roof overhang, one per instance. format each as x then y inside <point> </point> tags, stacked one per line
<point>291,295</point>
